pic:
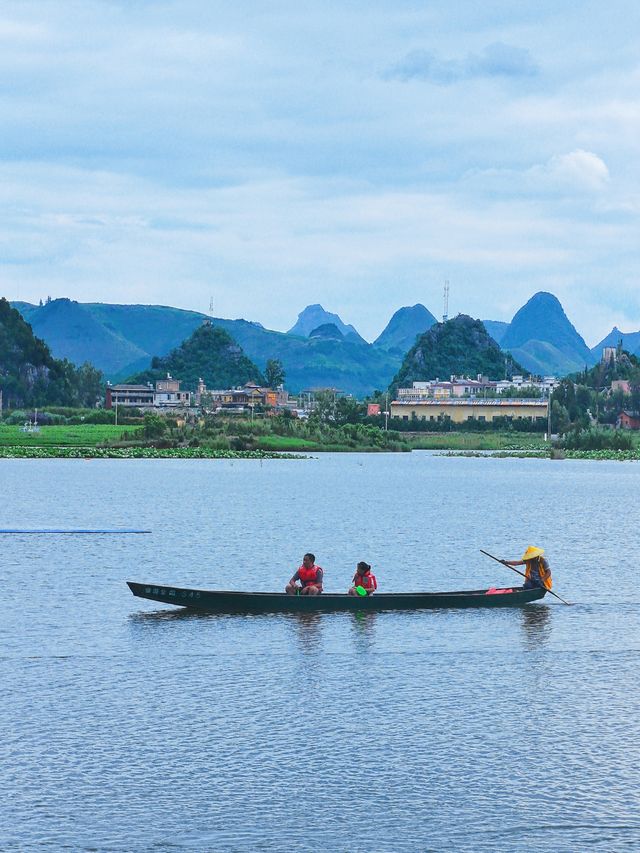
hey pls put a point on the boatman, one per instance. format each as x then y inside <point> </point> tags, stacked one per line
<point>310,577</point>
<point>537,571</point>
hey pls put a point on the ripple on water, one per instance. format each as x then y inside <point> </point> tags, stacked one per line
<point>129,727</point>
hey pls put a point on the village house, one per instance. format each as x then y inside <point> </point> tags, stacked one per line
<point>628,420</point>
<point>166,395</point>
<point>462,386</point>
<point>620,385</point>
<point>237,400</point>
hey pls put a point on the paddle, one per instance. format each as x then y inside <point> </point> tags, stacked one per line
<point>522,574</point>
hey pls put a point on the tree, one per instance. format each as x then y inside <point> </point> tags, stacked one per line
<point>559,417</point>
<point>274,373</point>
<point>325,407</point>
<point>349,411</point>
<point>155,426</point>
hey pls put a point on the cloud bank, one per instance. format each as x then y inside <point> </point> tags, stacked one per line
<point>186,150</point>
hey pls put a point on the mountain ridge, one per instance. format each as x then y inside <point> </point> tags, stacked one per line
<point>542,320</point>
<point>400,333</point>
<point>314,316</point>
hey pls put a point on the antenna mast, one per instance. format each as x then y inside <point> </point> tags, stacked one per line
<point>211,307</point>
<point>445,315</point>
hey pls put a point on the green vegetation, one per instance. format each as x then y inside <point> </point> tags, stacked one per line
<point>480,441</point>
<point>598,439</point>
<point>585,399</point>
<point>274,373</point>
<point>135,453</point>
<point>30,376</point>
<point>211,354</point>
<point>287,433</point>
<point>86,435</point>
<point>214,434</point>
<point>446,425</point>
<point>461,346</point>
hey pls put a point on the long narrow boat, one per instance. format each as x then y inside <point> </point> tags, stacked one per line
<point>222,601</point>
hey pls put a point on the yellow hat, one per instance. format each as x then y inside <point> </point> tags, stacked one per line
<point>532,552</point>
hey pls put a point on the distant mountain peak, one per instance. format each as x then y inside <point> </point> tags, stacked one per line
<point>327,330</point>
<point>543,318</point>
<point>314,316</point>
<point>630,341</point>
<point>400,333</point>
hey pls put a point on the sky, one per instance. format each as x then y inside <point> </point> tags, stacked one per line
<point>269,155</point>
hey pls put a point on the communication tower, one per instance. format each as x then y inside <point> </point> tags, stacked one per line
<point>445,313</point>
<point>211,307</point>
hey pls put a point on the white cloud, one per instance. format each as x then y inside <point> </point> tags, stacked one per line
<point>579,169</point>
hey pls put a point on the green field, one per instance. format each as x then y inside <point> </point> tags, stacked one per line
<point>479,441</point>
<point>83,435</point>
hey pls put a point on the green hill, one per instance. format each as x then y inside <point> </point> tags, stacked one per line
<point>30,376</point>
<point>209,353</point>
<point>461,346</point>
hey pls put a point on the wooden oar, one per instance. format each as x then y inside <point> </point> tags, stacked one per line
<point>522,574</point>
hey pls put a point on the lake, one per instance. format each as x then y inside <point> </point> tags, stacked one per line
<point>131,726</point>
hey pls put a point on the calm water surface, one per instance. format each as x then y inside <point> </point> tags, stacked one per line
<point>124,726</point>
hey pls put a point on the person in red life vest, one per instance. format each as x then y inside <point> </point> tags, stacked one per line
<point>364,579</point>
<point>310,577</point>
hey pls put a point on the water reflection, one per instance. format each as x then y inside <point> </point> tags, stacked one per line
<point>536,625</point>
<point>308,629</point>
<point>363,627</point>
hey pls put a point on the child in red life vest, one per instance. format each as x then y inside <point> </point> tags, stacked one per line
<point>310,577</point>
<point>364,579</point>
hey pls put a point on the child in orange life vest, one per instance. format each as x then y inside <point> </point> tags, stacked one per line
<point>310,577</point>
<point>365,579</point>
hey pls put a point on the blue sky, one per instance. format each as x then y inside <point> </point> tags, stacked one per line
<point>276,154</point>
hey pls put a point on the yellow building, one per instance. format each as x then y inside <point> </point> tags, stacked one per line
<point>459,411</point>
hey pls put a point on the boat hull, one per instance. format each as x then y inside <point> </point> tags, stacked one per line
<point>213,601</point>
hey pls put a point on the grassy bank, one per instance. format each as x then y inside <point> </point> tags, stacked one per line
<point>83,435</point>
<point>479,441</point>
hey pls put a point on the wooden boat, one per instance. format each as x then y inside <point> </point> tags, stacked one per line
<point>223,601</point>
